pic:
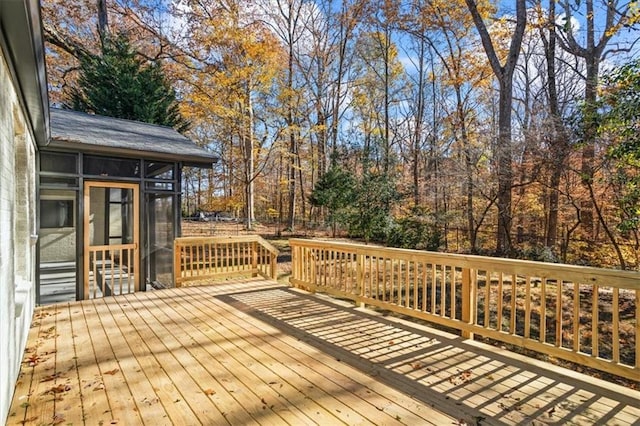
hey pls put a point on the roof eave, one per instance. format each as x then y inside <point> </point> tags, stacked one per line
<point>200,161</point>
<point>23,41</point>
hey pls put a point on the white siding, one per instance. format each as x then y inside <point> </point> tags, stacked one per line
<point>17,224</point>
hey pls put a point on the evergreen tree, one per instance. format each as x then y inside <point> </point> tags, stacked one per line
<point>117,83</point>
<point>370,212</point>
<point>335,191</point>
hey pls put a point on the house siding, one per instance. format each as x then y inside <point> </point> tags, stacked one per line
<point>17,225</point>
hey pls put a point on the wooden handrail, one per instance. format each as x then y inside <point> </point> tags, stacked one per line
<point>570,312</point>
<point>206,258</point>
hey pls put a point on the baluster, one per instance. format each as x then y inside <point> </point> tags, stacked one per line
<point>595,319</point>
<point>543,310</point>
<point>559,284</point>
<point>576,317</point>
<point>527,308</point>
<point>615,335</point>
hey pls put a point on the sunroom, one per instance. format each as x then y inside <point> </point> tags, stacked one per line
<point>109,205</point>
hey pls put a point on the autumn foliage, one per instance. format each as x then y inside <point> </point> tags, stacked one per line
<point>407,99</point>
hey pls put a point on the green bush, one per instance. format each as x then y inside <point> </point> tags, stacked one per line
<point>369,213</point>
<point>416,231</point>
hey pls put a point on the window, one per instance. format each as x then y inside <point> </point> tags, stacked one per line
<point>56,214</point>
<point>104,166</point>
<point>58,163</point>
<point>159,170</point>
<point>58,182</point>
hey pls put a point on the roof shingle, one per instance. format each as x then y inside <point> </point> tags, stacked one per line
<point>115,136</point>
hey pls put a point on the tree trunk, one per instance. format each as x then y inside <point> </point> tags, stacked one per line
<point>250,165</point>
<point>588,150</point>
<point>505,172</point>
<point>417,134</point>
<point>468,165</point>
<point>592,53</point>
<point>103,19</point>
<point>387,71</point>
<point>291,220</point>
<point>504,74</point>
<point>558,145</point>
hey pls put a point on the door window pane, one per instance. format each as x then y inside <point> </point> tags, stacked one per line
<point>111,216</point>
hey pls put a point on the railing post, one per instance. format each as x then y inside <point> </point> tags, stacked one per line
<point>468,300</point>
<point>360,276</point>
<point>274,266</point>
<point>177,272</point>
<point>254,258</point>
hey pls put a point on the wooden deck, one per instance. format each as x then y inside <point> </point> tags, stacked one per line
<point>260,353</point>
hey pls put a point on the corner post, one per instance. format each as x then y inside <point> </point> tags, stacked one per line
<point>177,273</point>
<point>274,266</point>
<point>468,299</point>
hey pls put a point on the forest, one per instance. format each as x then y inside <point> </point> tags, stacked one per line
<point>506,128</point>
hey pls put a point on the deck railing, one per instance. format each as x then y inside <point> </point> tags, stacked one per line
<point>203,258</point>
<point>110,270</point>
<point>589,316</point>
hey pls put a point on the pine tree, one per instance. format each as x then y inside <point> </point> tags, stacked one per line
<point>117,83</point>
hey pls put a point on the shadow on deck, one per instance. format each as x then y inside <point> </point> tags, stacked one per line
<point>258,352</point>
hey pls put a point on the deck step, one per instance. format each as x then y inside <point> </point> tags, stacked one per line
<point>56,268</point>
<point>57,276</point>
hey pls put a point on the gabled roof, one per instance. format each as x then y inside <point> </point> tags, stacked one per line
<point>21,40</point>
<point>97,134</point>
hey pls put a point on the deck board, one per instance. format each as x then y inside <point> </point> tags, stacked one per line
<point>41,360</point>
<point>255,352</point>
<point>320,386</point>
<point>253,382</point>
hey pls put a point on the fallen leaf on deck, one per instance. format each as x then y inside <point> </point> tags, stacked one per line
<point>112,372</point>
<point>33,360</point>
<point>150,401</point>
<point>58,419</point>
<point>60,388</point>
<point>460,378</point>
<point>50,377</point>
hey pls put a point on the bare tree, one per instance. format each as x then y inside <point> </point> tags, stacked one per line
<point>592,52</point>
<point>504,74</point>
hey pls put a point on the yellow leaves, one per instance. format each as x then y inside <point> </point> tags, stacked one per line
<point>631,19</point>
<point>451,15</point>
